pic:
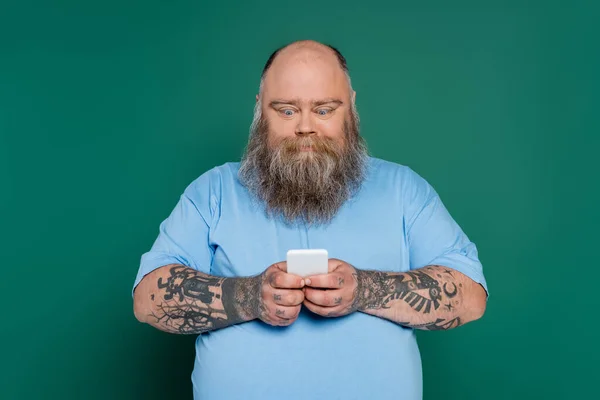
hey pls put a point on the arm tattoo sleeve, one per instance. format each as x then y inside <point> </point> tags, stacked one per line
<point>190,302</point>
<point>430,298</point>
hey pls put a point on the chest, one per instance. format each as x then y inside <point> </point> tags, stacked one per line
<point>367,232</point>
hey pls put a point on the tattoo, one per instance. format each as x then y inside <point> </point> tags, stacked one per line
<point>440,324</point>
<point>337,300</point>
<point>450,294</point>
<point>188,302</point>
<point>277,297</point>
<point>195,303</point>
<point>340,281</point>
<point>377,289</point>
<point>279,312</point>
<point>242,298</point>
<point>185,282</point>
<point>358,291</point>
<point>427,291</point>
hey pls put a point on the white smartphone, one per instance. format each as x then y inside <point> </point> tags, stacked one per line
<point>307,262</point>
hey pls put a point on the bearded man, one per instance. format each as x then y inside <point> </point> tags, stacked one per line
<point>399,261</point>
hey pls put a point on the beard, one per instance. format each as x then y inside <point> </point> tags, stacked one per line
<point>303,186</point>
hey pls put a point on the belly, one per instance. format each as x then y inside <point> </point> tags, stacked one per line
<point>357,356</point>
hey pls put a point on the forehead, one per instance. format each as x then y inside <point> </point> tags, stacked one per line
<point>305,75</point>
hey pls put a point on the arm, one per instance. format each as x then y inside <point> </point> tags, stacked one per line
<point>429,298</point>
<point>178,299</point>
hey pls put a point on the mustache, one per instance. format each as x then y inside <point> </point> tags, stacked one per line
<point>324,145</point>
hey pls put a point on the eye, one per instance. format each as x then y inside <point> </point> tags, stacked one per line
<point>287,112</point>
<point>323,112</point>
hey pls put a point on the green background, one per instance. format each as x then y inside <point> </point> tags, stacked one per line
<point>108,109</point>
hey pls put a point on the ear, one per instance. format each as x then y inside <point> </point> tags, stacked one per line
<point>257,98</point>
<point>354,96</point>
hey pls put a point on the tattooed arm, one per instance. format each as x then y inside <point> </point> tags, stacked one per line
<point>430,298</point>
<point>178,299</point>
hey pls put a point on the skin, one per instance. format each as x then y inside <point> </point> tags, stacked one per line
<point>178,299</point>
<point>306,93</point>
<point>429,298</point>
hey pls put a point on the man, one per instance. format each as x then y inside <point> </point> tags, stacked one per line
<point>399,261</point>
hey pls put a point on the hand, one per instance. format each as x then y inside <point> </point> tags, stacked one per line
<point>281,295</point>
<point>332,294</point>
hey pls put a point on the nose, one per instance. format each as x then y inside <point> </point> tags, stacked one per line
<point>306,126</point>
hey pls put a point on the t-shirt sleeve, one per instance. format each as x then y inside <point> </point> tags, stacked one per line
<point>183,236</point>
<point>434,237</point>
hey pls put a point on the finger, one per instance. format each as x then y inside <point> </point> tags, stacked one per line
<point>324,298</point>
<point>288,297</point>
<point>283,280</point>
<point>313,307</point>
<point>325,281</point>
<point>276,321</point>
<point>286,313</point>
<point>322,311</point>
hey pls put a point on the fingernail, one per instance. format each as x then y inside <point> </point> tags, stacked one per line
<point>302,283</point>
<point>308,281</point>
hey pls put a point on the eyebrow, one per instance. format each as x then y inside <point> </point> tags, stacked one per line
<point>297,102</point>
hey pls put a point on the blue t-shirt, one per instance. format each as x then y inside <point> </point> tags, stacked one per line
<point>396,222</point>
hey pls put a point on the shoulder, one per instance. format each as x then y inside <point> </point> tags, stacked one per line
<point>215,176</point>
<point>208,186</point>
<point>404,180</point>
<point>379,169</point>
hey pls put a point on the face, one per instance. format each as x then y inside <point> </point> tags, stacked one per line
<point>305,156</point>
<point>306,97</point>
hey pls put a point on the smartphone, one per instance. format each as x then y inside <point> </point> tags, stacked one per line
<point>307,262</point>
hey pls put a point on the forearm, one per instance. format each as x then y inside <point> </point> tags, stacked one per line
<point>430,298</point>
<point>178,299</point>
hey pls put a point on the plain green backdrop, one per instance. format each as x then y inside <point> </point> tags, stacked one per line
<point>108,109</point>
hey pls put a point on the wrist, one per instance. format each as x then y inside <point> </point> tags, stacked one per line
<point>241,298</point>
<point>359,303</point>
<point>370,290</point>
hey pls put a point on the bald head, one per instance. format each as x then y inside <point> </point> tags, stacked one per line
<point>307,44</point>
